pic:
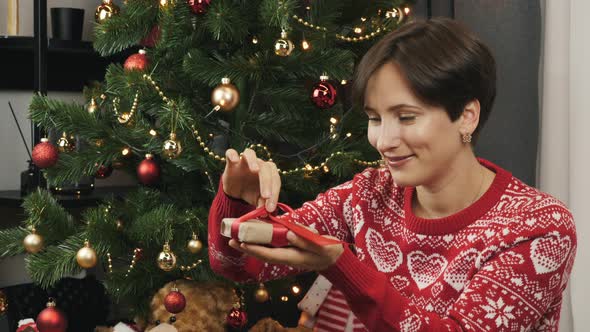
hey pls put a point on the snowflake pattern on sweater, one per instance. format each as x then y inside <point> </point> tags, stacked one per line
<point>501,264</point>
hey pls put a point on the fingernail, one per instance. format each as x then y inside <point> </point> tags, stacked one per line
<point>290,236</point>
<point>243,245</point>
<point>270,206</point>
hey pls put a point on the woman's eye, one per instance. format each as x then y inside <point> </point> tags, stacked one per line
<point>373,119</point>
<point>407,118</point>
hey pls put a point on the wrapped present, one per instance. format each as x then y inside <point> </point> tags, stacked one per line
<point>259,227</point>
<point>27,325</point>
<point>256,231</point>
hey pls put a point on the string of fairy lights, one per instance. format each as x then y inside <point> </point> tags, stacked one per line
<point>304,169</point>
<point>394,13</point>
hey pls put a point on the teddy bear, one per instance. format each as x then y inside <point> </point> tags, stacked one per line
<point>206,309</point>
<point>207,305</point>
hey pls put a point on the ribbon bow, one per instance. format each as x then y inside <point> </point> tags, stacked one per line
<point>280,234</point>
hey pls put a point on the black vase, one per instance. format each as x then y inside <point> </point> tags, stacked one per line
<point>67,23</point>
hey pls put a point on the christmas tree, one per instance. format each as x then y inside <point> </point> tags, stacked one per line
<point>269,75</point>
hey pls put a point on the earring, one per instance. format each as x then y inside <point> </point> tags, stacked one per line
<point>466,138</point>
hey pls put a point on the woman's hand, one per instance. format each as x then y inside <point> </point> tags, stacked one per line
<point>251,179</point>
<point>303,254</point>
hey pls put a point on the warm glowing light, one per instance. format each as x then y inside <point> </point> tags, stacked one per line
<point>305,45</point>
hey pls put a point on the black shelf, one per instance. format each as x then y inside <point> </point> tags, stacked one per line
<point>70,64</point>
<point>13,198</point>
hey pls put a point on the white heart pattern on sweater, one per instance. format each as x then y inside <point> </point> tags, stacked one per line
<point>399,282</point>
<point>549,252</point>
<point>425,269</point>
<point>387,256</point>
<point>410,324</point>
<point>457,273</point>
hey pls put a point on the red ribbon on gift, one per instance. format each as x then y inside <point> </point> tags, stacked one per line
<point>279,237</point>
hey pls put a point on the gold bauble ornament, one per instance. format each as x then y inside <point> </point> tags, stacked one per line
<point>261,294</point>
<point>86,256</point>
<point>194,245</point>
<point>64,144</point>
<point>225,95</point>
<point>124,118</point>
<point>172,147</point>
<point>92,107</point>
<point>166,259</point>
<point>284,46</point>
<point>105,10</point>
<point>120,224</point>
<point>33,242</point>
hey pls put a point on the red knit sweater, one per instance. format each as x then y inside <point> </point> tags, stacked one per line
<point>501,264</point>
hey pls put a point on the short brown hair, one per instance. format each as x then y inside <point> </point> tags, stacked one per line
<point>445,64</point>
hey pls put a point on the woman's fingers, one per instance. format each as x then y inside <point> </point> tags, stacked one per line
<point>265,178</point>
<point>276,188</point>
<point>250,156</point>
<point>232,156</point>
<point>290,255</point>
<point>301,243</point>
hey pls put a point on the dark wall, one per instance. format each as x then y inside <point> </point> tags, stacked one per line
<point>512,29</point>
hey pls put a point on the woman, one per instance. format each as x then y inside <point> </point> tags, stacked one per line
<point>444,241</point>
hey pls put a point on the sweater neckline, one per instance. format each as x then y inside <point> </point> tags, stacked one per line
<point>460,219</point>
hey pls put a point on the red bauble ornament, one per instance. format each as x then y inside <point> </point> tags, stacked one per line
<point>103,171</point>
<point>323,93</point>
<point>138,61</point>
<point>52,319</point>
<point>152,38</point>
<point>237,318</point>
<point>174,302</point>
<point>148,170</point>
<point>45,154</point>
<point>199,7</point>
<point>138,254</point>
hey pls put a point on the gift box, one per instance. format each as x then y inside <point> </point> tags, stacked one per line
<point>259,227</point>
<point>256,231</point>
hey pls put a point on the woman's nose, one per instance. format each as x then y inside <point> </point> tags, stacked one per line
<point>389,137</point>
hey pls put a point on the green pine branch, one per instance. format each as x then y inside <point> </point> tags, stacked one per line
<point>11,241</point>
<point>50,265</point>
<point>226,22</point>
<point>126,29</point>
<point>45,214</point>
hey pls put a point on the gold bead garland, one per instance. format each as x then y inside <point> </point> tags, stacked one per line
<point>306,169</point>
<point>136,252</point>
<point>368,36</point>
<point>205,148</point>
<point>125,117</point>
<point>186,268</point>
<point>110,260</point>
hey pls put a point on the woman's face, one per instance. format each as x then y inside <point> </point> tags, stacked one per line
<point>418,142</point>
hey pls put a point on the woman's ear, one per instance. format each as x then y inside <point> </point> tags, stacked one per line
<point>470,117</point>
